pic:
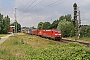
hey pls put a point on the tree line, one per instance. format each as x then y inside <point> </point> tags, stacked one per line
<point>5,24</point>
<point>66,25</point>
<point>85,31</point>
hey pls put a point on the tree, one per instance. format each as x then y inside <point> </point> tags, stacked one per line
<point>18,26</point>
<point>6,24</point>
<point>66,27</point>
<point>67,17</point>
<point>61,18</point>
<point>40,25</point>
<point>32,28</point>
<point>85,32</point>
<point>1,22</point>
<point>46,25</point>
<point>54,24</point>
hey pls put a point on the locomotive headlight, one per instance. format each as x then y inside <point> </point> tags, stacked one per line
<point>59,34</point>
<point>55,34</point>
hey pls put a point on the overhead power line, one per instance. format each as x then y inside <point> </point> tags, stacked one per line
<point>25,7</point>
<point>48,5</point>
<point>45,7</point>
<point>28,3</point>
<point>37,3</point>
<point>29,6</point>
<point>32,6</point>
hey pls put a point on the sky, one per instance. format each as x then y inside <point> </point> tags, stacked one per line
<point>30,12</point>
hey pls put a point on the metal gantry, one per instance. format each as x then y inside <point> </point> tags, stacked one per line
<point>77,20</point>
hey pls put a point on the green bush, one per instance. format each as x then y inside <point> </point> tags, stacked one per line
<point>31,49</point>
<point>85,32</point>
<point>22,42</point>
<point>71,51</point>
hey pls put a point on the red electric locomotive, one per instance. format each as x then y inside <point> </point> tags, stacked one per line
<point>57,35</point>
<point>40,33</point>
<point>54,34</point>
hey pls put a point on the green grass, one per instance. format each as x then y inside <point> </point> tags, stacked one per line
<point>85,38</point>
<point>1,35</point>
<point>30,47</point>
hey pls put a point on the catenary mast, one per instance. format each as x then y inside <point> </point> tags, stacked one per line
<point>77,21</point>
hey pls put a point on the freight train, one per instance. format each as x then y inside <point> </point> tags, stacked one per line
<point>51,34</point>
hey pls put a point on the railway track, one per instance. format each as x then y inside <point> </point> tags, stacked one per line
<point>87,44</point>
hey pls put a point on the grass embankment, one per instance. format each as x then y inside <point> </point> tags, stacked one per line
<point>29,47</point>
<point>85,38</point>
<point>82,39</point>
<point>1,35</point>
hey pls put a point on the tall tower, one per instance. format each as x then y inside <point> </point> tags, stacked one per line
<point>75,21</point>
<point>75,15</point>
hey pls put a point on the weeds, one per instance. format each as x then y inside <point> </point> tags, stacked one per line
<point>22,42</point>
<point>36,48</point>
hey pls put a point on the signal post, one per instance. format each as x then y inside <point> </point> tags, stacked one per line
<point>77,22</point>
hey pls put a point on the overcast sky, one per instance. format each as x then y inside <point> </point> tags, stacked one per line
<point>30,12</point>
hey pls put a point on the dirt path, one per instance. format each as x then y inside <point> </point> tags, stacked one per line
<point>4,38</point>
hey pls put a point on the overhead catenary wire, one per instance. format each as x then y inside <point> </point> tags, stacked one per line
<point>46,6</point>
<point>25,7</point>
<point>37,3</point>
<point>29,6</point>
